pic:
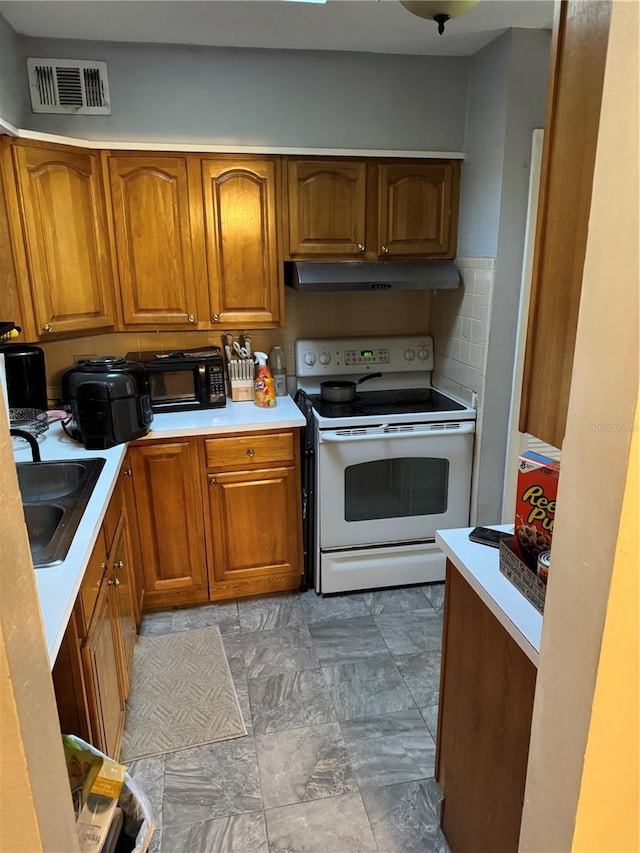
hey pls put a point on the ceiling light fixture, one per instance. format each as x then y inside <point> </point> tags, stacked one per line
<point>439,11</point>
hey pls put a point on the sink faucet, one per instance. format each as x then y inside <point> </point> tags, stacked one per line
<point>35,450</point>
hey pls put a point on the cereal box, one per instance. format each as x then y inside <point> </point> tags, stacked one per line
<point>535,506</point>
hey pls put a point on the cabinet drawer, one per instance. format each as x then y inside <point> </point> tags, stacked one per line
<point>243,451</point>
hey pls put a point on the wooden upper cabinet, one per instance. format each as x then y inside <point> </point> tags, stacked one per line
<point>326,208</point>
<point>241,243</point>
<point>152,216</point>
<point>417,209</point>
<point>15,303</point>
<point>579,48</point>
<point>61,201</point>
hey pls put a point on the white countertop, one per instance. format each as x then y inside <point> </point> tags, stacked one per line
<point>478,565</point>
<point>58,586</point>
<point>235,417</point>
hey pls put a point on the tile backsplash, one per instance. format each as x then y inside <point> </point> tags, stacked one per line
<point>307,315</point>
<point>460,321</point>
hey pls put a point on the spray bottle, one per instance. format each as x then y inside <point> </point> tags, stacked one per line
<point>264,393</point>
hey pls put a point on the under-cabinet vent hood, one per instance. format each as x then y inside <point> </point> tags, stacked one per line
<point>323,276</point>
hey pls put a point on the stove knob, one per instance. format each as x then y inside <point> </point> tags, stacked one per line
<point>409,354</point>
<point>423,353</point>
<point>324,358</point>
<point>309,358</point>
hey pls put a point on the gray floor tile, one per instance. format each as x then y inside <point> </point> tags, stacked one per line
<point>148,773</point>
<point>243,833</point>
<point>318,608</point>
<point>278,650</point>
<point>155,623</point>
<point>304,764</point>
<point>430,716</point>
<point>224,614</point>
<point>421,674</point>
<point>390,748</point>
<point>411,632</point>
<point>365,687</point>
<point>333,825</point>
<point>290,700</point>
<point>343,640</point>
<point>264,612</point>
<point>405,818</point>
<point>211,781</point>
<point>394,600</point>
<point>434,593</point>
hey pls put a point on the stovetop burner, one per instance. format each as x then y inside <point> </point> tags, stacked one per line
<point>405,401</point>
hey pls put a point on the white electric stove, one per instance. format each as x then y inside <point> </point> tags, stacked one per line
<point>384,471</point>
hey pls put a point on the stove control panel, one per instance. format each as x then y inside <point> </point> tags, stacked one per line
<point>343,356</point>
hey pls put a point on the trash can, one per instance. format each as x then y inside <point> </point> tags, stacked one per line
<point>137,819</point>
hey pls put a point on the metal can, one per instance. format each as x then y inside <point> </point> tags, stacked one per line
<point>544,561</point>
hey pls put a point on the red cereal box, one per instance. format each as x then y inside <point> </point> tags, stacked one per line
<point>535,506</point>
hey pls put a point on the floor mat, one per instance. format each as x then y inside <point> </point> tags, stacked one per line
<point>181,695</point>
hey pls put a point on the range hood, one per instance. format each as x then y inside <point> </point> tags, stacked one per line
<point>323,276</point>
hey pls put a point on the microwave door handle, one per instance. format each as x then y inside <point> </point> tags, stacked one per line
<point>336,437</point>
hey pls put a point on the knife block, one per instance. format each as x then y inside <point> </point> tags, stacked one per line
<point>241,390</point>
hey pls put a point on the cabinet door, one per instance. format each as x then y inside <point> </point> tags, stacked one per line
<point>152,209</point>
<point>170,518</point>
<point>101,656</point>
<point>255,531</point>
<point>64,223</point>
<point>137,574</point>
<point>120,564</point>
<point>245,277</point>
<point>579,49</point>
<point>15,303</point>
<point>487,685</point>
<point>417,209</point>
<point>326,206</point>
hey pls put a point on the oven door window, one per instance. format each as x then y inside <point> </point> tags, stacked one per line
<point>172,386</point>
<point>396,488</point>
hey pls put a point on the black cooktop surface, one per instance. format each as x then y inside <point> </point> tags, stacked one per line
<point>408,401</point>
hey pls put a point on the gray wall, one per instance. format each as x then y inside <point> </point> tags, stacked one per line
<point>14,93</point>
<point>174,93</point>
<point>521,105</point>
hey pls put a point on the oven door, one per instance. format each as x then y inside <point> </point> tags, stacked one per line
<point>379,485</point>
<point>174,386</point>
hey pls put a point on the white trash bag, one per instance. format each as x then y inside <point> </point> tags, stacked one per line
<point>138,824</point>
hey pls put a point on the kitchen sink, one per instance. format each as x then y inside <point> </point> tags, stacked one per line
<point>54,498</point>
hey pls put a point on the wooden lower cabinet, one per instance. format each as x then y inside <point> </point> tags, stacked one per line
<point>487,685</point>
<point>91,673</point>
<point>101,658</point>
<point>169,509</point>
<point>218,517</point>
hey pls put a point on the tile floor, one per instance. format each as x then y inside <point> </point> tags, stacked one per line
<point>340,700</point>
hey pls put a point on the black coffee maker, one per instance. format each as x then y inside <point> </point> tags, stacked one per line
<point>109,400</point>
<point>26,376</point>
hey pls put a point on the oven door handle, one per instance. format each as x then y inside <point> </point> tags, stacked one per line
<point>382,432</point>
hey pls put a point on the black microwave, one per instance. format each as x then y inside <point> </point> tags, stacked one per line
<point>184,380</point>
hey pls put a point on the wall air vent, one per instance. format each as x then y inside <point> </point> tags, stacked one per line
<point>70,86</point>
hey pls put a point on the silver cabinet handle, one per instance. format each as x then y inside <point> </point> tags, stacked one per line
<point>215,318</point>
<point>384,250</point>
<point>191,318</point>
<point>361,247</point>
<point>47,328</point>
<point>127,472</point>
<point>118,565</point>
<point>113,582</point>
<point>251,452</point>
<point>213,481</point>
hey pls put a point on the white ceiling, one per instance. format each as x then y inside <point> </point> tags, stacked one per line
<point>374,26</point>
